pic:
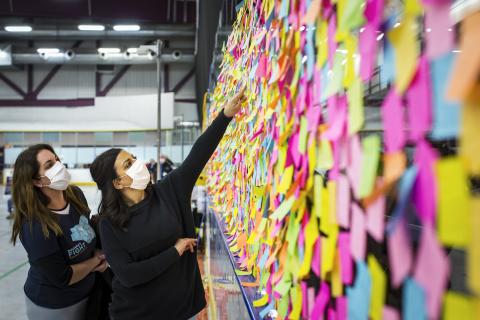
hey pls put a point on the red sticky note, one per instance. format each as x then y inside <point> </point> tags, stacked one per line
<point>419,102</point>
<point>393,124</point>
<point>432,270</point>
<point>358,241</point>
<point>438,30</point>
<point>399,253</point>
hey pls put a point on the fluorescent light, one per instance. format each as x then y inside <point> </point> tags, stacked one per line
<point>126,27</point>
<point>397,25</point>
<point>428,30</point>
<point>91,27</point>
<point>109,50</point>
<point>380,36</point>
<point>132,50</point>
<point>18,28</point>
<point>48,50</point>
<point>456,51</point>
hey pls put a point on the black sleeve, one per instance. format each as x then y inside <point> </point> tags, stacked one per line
<point>132,273</point>
<point>55,269</point>
<point>185,176</point>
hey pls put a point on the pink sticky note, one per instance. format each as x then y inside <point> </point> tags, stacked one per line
<point>346,263</point>
<point>332,315</point>
<point>316,263</point>
<point>376,219</point>
<point>438,30</point>
<point>293,150</point>
<point>358,241</point>
<point>262,67</point>
<point>337,118</point>
<point>311,299</point>
<point>420,102</point>
<point>393,124</point>
<point>342,304</point>
<point>332,44</point>
<point>399,253</point>
<point>390,313</point>
<point>354,168</point>
<point>432,270</point>
<point>321,302</point>
<point>343,201</point>
<point>313,117</point>
<point>367,46</point>
<point>424,194</point>
<point>374,12</point>
<point>303,286</point>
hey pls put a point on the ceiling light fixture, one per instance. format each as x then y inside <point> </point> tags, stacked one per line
<point>91,27</point>
<point>126,27</point>
<point>18,28</point>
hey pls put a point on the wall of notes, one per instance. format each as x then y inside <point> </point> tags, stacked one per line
<point>334,221</point>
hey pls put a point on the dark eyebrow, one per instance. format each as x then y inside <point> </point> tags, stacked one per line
<point>47,162</point>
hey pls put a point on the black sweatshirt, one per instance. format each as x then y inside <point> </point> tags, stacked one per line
<point>151,280</point>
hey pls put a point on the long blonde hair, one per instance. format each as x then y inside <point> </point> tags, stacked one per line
<point>30,202</point>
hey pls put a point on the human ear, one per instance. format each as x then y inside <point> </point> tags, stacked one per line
<point>116,184</point>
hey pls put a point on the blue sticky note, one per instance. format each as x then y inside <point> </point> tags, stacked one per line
<point>310,51</point>
<point>446,114</point>
<point>413,301</point>
<point>284,9</point>
<point>387,71</point>
<point>359,294</point>
<point>405,190</point>
<point>264,258</point>
<point>266,310</point>
<point>239,6</point>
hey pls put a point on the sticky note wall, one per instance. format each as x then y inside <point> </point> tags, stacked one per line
<point>334,221</point>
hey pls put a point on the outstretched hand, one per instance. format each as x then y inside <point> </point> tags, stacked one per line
<point>234,105</point>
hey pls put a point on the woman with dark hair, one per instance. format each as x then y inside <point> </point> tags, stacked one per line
<point>52,221</point>
<point>148,232</point>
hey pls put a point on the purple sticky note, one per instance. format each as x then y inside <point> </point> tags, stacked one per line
<point>342,307</point>
<point>419,102</point>
<point>343,201</point>
<point>346,262</point>
<point>390,313</point>
<point>432,270</point>
<point>358,241</point>
<point>399,253</point>
<point>367,46</point>
<point>424,194</point>
<point>376,219</point>
<point>321,302</point>
<point>439,33</point>
<point>393,122</point>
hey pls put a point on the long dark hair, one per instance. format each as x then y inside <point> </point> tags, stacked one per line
<point>112,206</point>
<point>30,202</point>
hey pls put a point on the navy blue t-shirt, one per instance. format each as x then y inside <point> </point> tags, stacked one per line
<point>77,244</point>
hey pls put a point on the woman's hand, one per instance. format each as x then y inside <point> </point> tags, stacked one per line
<point>102,263</point>
<point>101,267</point>
<point>185,244</point>
<point>234,105</point>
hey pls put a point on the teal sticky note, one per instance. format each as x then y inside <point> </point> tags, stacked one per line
<point>446,114</point>
<point>359,294</point>
<point>413,301</point>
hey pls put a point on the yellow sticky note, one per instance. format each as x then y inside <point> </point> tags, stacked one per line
<point>404,41</point>
<point>332,201</point>
<point>351,47</point>
<point>453,202</point>
<point>325,220</point>
<point>324,155</point>
<point>356,116</point>
<point>321,42</point>
<point>379,287</point>
<point>337,285</point>
<point>469,142</point>
<point>413,7</point>
<point>311,235</point>
<point>328,251</point>
<point>286,180</point>
<point>296,298</point>
<point>458,306</point>
<point>473,253</point>
<point>317,195</point>
<point>261,302</point>
<point>302,136</point>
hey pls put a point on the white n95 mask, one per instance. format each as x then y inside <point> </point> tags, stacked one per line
<point>139,174</point>
<point>58,176</point>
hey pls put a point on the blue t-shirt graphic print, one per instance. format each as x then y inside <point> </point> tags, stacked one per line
<point>82,231</point>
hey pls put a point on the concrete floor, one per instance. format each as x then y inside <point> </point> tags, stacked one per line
<point>14,265</point>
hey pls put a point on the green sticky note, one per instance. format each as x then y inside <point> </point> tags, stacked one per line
<point>283,209</point>
<point>352,15</point>
<point>242,273</point>
<point>284,285</point>
<point>370,158</point>
<point>356,116</point>
<point>335,76</point>
<point>302,141</point>
<point>292,235</point>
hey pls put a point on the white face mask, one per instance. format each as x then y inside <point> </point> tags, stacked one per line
<point>58,176</point>
<point>139,174</point>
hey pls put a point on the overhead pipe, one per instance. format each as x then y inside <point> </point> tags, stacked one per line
<point>164,32</point>
<point>73,58</point>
